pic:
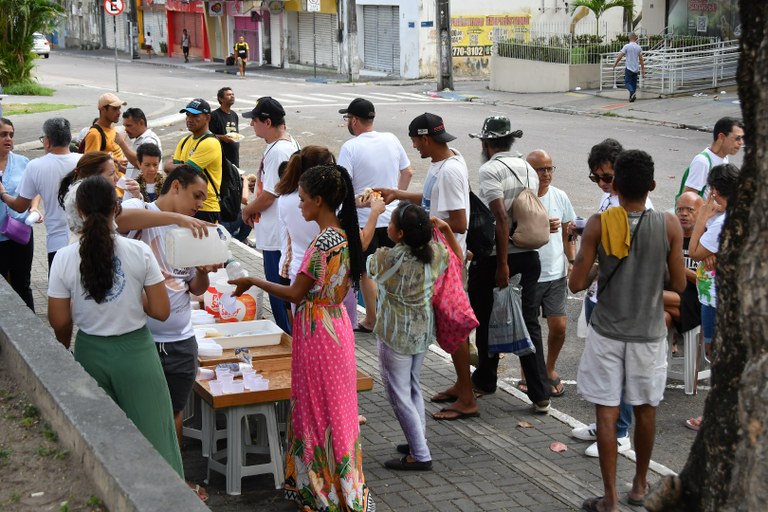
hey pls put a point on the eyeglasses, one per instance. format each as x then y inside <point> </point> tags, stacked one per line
<point>346,117</point>
<point>597,178</point>
<point>738,138</point>
<point>550,169</point>
<point>41,138</point>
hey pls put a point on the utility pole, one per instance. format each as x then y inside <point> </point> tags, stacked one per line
<point>444,53</point>
<point>354,61</point>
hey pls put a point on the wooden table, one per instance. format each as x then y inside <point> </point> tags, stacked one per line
<point>237,406</point>
<point>283,349</point>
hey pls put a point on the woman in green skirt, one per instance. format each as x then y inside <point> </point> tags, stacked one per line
<point>107,285</point>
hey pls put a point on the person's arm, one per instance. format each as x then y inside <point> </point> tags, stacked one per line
<point>450,238</point>
<point>258,205</point>
<point>391,194</point>
<point>294,293</point>
<point>199,284</point>
<point>457,220</point>
<point>405,178</point>
<point>502,240</point>
<point>134,219</point>
<point>156,302</point>
<point>128,151</point>
<point>675,260</point>
<point>92,141</point>
<point>367,232</point>
<point>642,64</point>
<point>568,248</point>
<point>690,276</point>
<point>60,318</point>
<point>695,249</point>
<point>584,269</point>
<point>34,206</point>
<point>18,203</point>
<point>618,59</point>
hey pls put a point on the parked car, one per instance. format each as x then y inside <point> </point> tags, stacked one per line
<point>41,45</point>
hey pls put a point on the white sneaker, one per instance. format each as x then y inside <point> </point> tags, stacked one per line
<point>622,442</point>
<point>588,433</point>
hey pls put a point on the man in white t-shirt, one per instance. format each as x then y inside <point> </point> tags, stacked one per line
<point>42,177</point>
<point>556,259</point>
<point>445,196</point>
<point>268,122</point>
<point>728,137</point>
<point>373,160</point>
<point>135,124</point>
<point>635,64</point>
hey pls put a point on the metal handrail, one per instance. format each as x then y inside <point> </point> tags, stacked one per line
<point>675,70</point>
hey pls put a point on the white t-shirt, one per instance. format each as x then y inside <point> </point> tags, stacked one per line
<point>43,176</point>
<point>705,276</point>
<point>374,159</point>
<point>554,264</point>
<point>178,326</point>
<point>632,52</point>
<point>122,311</point>
<point>267,229</point>
<point>297,231</point>
<point>699,169</point>
<point>446,188</point>
<point>148,136</point>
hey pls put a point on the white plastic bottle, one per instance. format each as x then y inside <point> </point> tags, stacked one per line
<point>183,249</point>
<point>235,269</point>
<point>32,218</point>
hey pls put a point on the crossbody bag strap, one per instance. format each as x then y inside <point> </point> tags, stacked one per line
<point>616,268</point>
<point>391,270</point>
<point>515,174</point>
<point>205,171</point>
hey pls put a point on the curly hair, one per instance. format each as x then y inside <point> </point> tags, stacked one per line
<point>333,184</point>
<point>96,200</point>
<point>414,222</point>
<point>634,174</point>
<point>88,165</point>
<point>605,152</point>
<point>725,179</point>
<point>300,161</point>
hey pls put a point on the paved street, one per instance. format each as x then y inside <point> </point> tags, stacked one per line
<point>481,464</point>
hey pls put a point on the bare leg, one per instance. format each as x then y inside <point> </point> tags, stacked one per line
<point>555,341</point>
<point>645,435</point>
<point>462,389</point>
<point>177,420</point>
<point>368,287</point>
<point>608,452</point>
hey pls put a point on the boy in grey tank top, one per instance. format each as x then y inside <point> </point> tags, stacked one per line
<point>628,248</point>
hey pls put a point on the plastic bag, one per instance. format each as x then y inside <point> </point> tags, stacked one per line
<point>506,329</point>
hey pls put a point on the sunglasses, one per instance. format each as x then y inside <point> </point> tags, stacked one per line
<point>596,178</point>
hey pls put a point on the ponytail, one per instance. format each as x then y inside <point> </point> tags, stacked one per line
<point>349,222</point>
<point>96,200</point>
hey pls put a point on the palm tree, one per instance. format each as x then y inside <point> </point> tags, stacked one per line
<point>598,7</point>
<point>19,19</point>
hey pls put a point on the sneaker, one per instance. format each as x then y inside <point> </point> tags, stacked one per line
<point>588,433</point>
<point>632,97</point>
<point>540,407</point>
<point>623,446</point>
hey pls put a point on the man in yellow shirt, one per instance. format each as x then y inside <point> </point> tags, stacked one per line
<point>109,114</point>
<point>201,150</point>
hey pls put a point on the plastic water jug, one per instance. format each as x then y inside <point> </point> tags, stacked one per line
<point>183,250</point>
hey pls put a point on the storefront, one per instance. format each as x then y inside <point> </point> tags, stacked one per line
<point>381,38</point>
<point>713,18</point>
<point>190,16</point>
<point>153,20</point>
<point>313,36</point>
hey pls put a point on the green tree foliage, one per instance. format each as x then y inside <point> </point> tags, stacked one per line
<point>19,19</point>
<point>598,7</point>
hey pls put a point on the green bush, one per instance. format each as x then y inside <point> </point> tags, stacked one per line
<point>27,88</point>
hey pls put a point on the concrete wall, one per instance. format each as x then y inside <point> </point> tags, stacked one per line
<point>127,472</point>
<point>654,16</point>
<point>518,75</point>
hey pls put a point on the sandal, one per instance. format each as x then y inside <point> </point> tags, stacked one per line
<point>200,491</point>
<point>694,423</point>
<point>522,386</point>
<point>443,397</point>
<point>557,383</point>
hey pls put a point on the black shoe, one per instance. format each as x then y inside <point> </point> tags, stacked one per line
<point>404,465</point>
<point>632,98</point>
<point>405,449</point>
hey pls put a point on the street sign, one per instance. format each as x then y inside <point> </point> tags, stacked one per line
<point>313,5</point>
<point>114,7</point>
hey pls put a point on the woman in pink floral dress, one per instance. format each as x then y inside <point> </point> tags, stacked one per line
<point>324,458</point>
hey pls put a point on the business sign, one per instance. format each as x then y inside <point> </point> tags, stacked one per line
<point>474,35</point>
<point>313,5</point>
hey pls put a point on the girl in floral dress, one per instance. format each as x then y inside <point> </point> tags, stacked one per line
<point>323,458</point>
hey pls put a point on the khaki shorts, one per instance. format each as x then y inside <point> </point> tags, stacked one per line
<point>609,367</point>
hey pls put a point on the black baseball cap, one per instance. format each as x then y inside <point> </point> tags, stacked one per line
<point>431,125</point>
<point>361,108</point>
<point>196,106</point>
<point>266,107</point>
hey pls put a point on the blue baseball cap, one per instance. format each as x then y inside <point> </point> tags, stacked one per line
<point>196,106</point>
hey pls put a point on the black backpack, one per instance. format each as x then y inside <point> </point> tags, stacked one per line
<point>103,146</point>
<point>230,194</point>
<point>481,228</point>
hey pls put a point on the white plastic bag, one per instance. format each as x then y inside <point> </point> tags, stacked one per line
<point>506,329</point>
<point>581,323</point>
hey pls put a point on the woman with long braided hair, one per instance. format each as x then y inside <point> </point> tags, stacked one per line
<point>324,458</point>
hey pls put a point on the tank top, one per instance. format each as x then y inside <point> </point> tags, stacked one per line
<point>631,304</point>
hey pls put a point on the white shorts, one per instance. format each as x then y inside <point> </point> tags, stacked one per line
<point>611,367</point>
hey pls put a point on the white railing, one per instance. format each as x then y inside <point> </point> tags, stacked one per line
<point>677,70</point>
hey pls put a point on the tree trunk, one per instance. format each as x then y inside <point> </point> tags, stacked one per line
<point>727,468</point>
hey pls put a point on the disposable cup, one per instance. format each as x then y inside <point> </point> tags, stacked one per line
<point>234,387</point>
<point>216,386</point>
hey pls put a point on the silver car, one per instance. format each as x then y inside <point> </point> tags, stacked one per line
<point>41,46</point>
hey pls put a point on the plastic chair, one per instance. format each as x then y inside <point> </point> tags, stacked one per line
<point>693,360</point>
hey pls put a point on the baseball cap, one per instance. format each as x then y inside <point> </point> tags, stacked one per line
<point>494,127</point>
<point>431,125</point>
<point>266,107</point>
<point>196,106</point>
<point>361,108</point>
<point>111,100</point>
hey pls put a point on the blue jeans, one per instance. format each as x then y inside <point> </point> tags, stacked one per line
<point>400,374</point>
<point>272,274</point>
<point>238,229</point>
<point>630,81</point>
<point>625,410</point>
<point>708,322</point>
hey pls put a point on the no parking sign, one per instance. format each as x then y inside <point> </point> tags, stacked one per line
<point>114,7</point>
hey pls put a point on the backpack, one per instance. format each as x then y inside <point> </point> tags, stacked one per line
<point>529,227</point>
<point>481,229</point>
<point>102,146</point>
<point>685,177</point>
<point>230,193</point>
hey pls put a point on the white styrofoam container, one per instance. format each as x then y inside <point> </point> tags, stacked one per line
<point>253,333</point>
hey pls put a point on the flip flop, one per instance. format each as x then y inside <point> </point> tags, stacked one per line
<point>200,491</point>
<point>635,502</point>
<point>693,423</point>
<point>363,329</point>
<point>590,505</point>
<point>555,383</point>
<point>480,393</point>
<point>522,386</point>
<point>460,415</point>
<point>443,398</point>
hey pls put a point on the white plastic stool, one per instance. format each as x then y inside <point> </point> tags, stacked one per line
<point>234,469</point>
<point>693,359</point>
